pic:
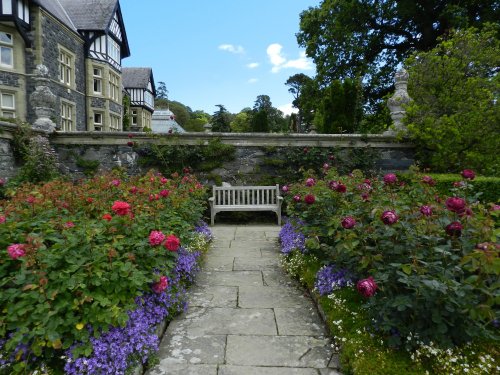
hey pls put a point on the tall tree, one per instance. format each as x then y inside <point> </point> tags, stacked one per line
<point>367,39</point>
<point>161,91</point>
<point>242,122</point>
<point>305,93</point>
<point>221,120</point>
<point>266,117</point>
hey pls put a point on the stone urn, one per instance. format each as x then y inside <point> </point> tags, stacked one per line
<point>43,100</point>
<point>400,98</point>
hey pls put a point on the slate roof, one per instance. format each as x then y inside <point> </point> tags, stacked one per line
<point>89,14</point>
<point>55,8</point>
<point>136,78</point>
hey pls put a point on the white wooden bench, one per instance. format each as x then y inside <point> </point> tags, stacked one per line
<point>245,198</point>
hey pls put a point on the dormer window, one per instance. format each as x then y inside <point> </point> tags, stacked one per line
<point>6,50</point>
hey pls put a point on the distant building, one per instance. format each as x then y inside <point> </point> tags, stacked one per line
<point>140,86</point>
<point>164,122</point>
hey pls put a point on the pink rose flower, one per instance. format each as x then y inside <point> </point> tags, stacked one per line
<point>309,199</point>
<point>426,210</point>
<point>115,182</point>
<point>172,243</point>
<point>495,207</point>
<point>428,180</point>
<point>296,198</point>
<point>163,180</point>
<point>285,189</point>
<point>367,287</point>
<point>310,182</point>
<point>454,229</point>
<point>390,178</point>
<point>165,193</point>
<point>455,204</point>
<point>348,222</point>
<point>69,224</point>
<point>133,190</point>
<point>156,237</point>
<point>3,219</point>
<point>161,285</point>
<point>107,217</point>
<point>468,174</point>
<point>389,217</point>
<point>365,197</point>
<point>30,199</point>
<point>121,208</point>
<point>337,186</point>
<point>16,250</point>
<point>326,166</point>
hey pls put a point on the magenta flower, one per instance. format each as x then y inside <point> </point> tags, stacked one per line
<point>156,237</point>
<point>121,208</point>
<point>468,174</point>
<point>390,178</point>
<point>348,222</point>
<point>455,204</point>
<point>428,180</point>
<point>285,189</point>
<point>326,166</point>
<point>16,250</point>
<point>172,243</point>
<point>165,193</point>
<point>426,210</point>
<point>133,189</point>
<point>69,224</point>
<point>454,229</point>
<point>367,287</point>
<point>365,197</point>
<point>337,186</point>
<point>3,219</point>
<point>115,182</point>
<point>309,199</point>
<point>163,180</point>
<point>389,217</point>
<point>310,182</point>
<point>296,198</point>
<point>161,285</point>
<point>495,207</point>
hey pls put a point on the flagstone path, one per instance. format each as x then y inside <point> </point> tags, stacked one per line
<point>246,316</point>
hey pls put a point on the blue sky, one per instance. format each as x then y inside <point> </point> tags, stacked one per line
<point>218,52</point>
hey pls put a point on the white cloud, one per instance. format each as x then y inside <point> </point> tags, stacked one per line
<point>288,109</point>
<point>279,61</point>
<point>232,48</point>
<point>253,65</point>
<point>253,80</point>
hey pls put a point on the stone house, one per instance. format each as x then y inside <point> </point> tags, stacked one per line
<point>81,43</point>
<point>140,87</point>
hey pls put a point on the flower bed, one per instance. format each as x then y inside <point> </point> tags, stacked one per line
<point>409,279</point>
<point>90,270</point>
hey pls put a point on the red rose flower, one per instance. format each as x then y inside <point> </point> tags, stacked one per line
<point>348,222</point>
<point>309,199</point>
<point>121,208</point>
<point>107,217</point>
<point>337,186</point>
<point>69,224</point>
<point>390,178</point>
<point>310,182</point>
<point>426,210</point>
<point>454,229</point>
<point>16,250</point>
<point>156,237</point>
<point>458,184</point>
<point>468,174</point>
<point>133,189</point>
<point>30,199</point>
<point>172,243</point>
<point>367,287</point>
<point>161,285</point>
<point>163,180</point>
<point>455,204</point>
<point>165,193</point>
<point>130,144</point>
<point>389,217</point>
<point>428,180</point>
<point>3,219</point>
<point>130,135</point>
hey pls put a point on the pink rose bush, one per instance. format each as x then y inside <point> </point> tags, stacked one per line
<point>367,287</point>
<point>156,238</point>
<point>16,250</point>
<point>172,243</point>
<point>389,217</point>
<point>121,208</point>
<point>348,222</point>
<point>161,285</point>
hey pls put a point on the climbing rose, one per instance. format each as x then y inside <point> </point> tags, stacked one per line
<point>426,210</point>
<point>121,208</point>
<point>107,217</point>
<point>468,174</point>
<point>348,222</point>
<point>367,287</point>
<point>156,237</point>
<point>161,285</point>
<point>310,182</point>
<point>3,219</point>
<point>172,243</point>
<point>428,180</point>
<point>296,198</point>
<point>390,178</point>
<point>16,250</point>
<point>455,204</point>
<point>454,229</point>
<point>389,217</point>
<point>309,199</point>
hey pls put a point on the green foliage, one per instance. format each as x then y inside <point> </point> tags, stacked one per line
<point>40,161</point>
<point>161,91</point>
<point>126,112</point>
<point>221,120</point>
<point>242,122</point>
<point>454,119</point>
<point>89,167</point>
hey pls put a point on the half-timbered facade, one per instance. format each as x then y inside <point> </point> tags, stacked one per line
<point>82,43</point>
<point>140,86</point>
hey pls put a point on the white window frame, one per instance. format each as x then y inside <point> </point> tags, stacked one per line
<point>98,126</point>
<point>66,67</point>
<point>134,116</point>
<point>114,50</point>
<point>67,116</point>
<point>7,46</point>
<point>7,111</point>
<point>114,123</point>
<point>114,87</point>
<point>97,79</point>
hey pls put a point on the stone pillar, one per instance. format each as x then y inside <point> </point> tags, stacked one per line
<point>43,101</point>
<point>397,102</point>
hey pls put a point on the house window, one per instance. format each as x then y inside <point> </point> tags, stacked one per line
<point>6,49</point>
<point>7,105</point>
<point>65,67</point>
<point>114,87</point>
<point>97,121</point>
<point>115,123</point>
<point>97,81</point>
<point>6,6</point>
<point>23,11</point>
<point>67,117</point>
<point>134,117</point>
<point>114,50</point>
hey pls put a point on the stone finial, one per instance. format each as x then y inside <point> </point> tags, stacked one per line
<point>207,127</point>
<point>43,100</point>
<point>400,98</point>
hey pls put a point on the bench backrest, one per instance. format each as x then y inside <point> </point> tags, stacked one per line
<point>245,195</point>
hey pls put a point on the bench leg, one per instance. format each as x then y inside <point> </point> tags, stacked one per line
<point>279,217</point>
<point>212,217</point>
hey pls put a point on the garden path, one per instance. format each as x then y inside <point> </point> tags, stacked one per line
<point>246,316</point>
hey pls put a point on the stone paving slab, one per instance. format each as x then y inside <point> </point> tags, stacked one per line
<point>227,321</point>
<point>240,252</point>
<point>256,264</point>
<point>252,370</point>
<point>271,297</point>
<point>221,243</point>
<point>213,296</point>
<point>218,262</point>
<point>303,321</point>
<point>277,278</point>
<point>253,243</point>
<point>234,278</point>
<point>184,370</point>
<point>279,351</point>
<point>329,371</point>
<point>184,349</point>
